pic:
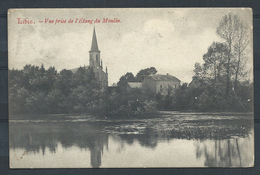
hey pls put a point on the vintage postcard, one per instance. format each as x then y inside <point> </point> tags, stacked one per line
<point>131,88</point>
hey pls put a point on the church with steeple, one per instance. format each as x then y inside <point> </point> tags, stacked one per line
<point>95,63</point>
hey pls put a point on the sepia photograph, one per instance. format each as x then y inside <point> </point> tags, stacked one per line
<point>131,88</point>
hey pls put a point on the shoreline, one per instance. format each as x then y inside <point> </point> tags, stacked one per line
<point>161,115</point>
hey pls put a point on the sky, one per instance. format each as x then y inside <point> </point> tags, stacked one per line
<point>169,39</point>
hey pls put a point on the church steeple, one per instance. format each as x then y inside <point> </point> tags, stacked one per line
<point>96,63</point>
<point>94,53</point>
<point>94,45</point>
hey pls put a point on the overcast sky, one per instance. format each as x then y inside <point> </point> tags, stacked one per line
<point>171,40</point>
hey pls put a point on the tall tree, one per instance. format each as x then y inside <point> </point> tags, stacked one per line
<point>210,79</point>
<point>240,44</point>
<point>215,61</point>
<point>227,30</point>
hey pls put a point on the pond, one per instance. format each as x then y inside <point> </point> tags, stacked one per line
<point>171,140</point>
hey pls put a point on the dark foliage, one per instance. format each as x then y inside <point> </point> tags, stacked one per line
<point>35,90</point>
<point>142,74</point>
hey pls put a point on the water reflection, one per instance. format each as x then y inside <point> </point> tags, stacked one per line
<point>215,143</point>
<point>35,137</point>
<point>225,153</point>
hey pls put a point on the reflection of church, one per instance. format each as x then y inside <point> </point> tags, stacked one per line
<point>96,150</point>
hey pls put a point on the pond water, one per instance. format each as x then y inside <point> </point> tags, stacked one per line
<point>172,140</point>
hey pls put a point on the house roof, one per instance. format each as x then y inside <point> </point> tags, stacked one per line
<point>135,84</point>
<point>158,77</point>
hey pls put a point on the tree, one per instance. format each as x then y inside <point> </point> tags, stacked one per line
<point>122,84</point>
<point>215,62</point>
<point>84,77</point>
<point>198,70</point>
<point>231,29</point>
<point>142,74</point>
<point>18,100</point>
<point>240,44</point>
<point>49,79</point>
<point>42,70</point>
<point>209,82</point>
<point>63,82</point>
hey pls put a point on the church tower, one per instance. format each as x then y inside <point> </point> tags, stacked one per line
<point>94,53</point>
<point>96,63</point>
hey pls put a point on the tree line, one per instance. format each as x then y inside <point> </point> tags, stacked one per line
<point>36,90</point>
<point>221,83</point>
<point>224,75</point>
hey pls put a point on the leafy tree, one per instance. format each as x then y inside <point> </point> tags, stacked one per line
<point>53,102</point>
<point>236,37</point>
<point>240,44</point>
<point>214,66</point>
<point>37,90</point>
<point>142,74</point>
<point>36,103</point>
<point>198,70</point>
<point>84,76</point>
<point>18,100</point>
<point>64,82</point>
<point>131,103</point>
<point>122,84</point>
<point>128,77</point>
<point>42,70</point>
<point>227,30</point>
<point>50,78</point>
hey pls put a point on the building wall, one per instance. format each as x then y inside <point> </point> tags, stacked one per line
<point>94,58</point>
<point>149,84</point>
<point>164,86</point>
<point>104,80</point>
<point>161,87</point>
<point>100,75</point>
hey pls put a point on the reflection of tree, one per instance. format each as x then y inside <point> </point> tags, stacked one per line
<point>149,138</point>
<point>35,137</point>
<point>32,138</point>
<point>226,153</point>
<point>190,130</point>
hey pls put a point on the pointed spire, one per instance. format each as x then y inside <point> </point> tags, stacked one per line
<point>94,45</point>
<point>106,69</point>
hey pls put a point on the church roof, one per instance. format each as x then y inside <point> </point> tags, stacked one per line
<point>76,69</point>
<point>158,77</point>
<point>94,45</point>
